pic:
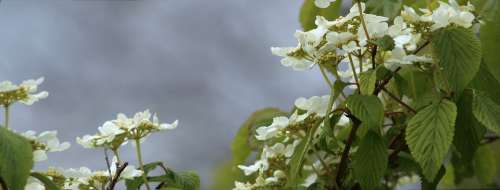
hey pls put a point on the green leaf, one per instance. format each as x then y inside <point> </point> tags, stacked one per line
<point>368,109</point>
<point>487,112</point>
<point>296,162</point>
<point>432,185</point>
<point>490,39</point>
<point>49,185</point>
<point>16,159</point>
<point>240,146</point>
<point>387,8</point>
<point>468,131</point>
<point>486,82</point>
<point>225,174</point>
<point>385,43</point>
<point>484,165</point>
<point>459,53</point>
<point>417,85</point>
<point>370,161</point>
<point>429,135</point>
<point>309,11</point>
<point>367,82</point>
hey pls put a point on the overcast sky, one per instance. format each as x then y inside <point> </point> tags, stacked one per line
<point>204,62</point>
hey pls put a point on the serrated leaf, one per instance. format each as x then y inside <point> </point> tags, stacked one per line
<point>486,82</point>
<point>387,8</point>
<point>240,147</point>
<point>429,135</point>
<point>370,161</point>
<point>367,82</point>
<point>486,111</point>
<point>16,159</point>
<point>309,11</point>
<point>432,185</point>
<point>368,109</point>
<point>459,53</point>
<point>484,165</point>
<point>49,185</point>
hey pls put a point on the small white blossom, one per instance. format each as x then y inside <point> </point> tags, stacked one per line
<point>34,184</point>
<point>26,92</point>
<point>317,105</point>
<point>323,3</point>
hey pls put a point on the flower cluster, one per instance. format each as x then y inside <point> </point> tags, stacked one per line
<point>283,135</point>
<point>348,38</point>
<point>112,134</point>
<point>26,92</point>
<point>45,142</point>
<point>347,47</point>
<point>83,177</point>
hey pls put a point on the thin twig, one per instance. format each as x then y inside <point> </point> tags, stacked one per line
<point>385,82</point>
<point>107,161</point>
<point>119,170</point>
<point>341,171</point>
<point>399,101</point>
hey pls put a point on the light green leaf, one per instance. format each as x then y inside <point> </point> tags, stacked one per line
<point>487,112</point>
<point>429,135</point>
<point>240,146</point>
<point>296,162</point>
<point>49,185</point>
<point>387,8</point>
<point>367,82</point>
<point>417,85</point>
<point>370,161</point>
<point>368,109</point>
<point>459,53</point>
<point>309,11</point>
<point>16,159</point>
<point>484,165</point>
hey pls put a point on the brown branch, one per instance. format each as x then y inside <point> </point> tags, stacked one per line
<point>490,139</point>
<point>384,82</point>
<point>399,101</point>
<point>341,171</point>
<point>114,179</point>
<point>421,47</point>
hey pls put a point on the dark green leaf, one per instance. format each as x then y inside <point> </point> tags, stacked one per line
<point>432,185</point>
<point>487,112</point>
<point>368,109</point>
<point>417,85</point>
<point>459,53</point>
<point>16,159</point>
<point>429,135</point>
<point>490,39</point>
<point>370,161</point>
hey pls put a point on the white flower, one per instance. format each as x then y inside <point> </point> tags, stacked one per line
<point>280,149</point>
<point>315,104</point>
<point>164,126</point>
<point>277,175</point>
<point>410,15</point>
<point>311,179</point>
<point>446,14</point>
<point>45,142</point>
<point>376,27</point>
<point>26,92</point>
<point>336,38</point>
<point>128,173</point>
<point>108,131</point>
<point>242,186</point>
<point>262,165</point>
<point>398,56</point>
<point>268,132</point>
<point>323,3</point>
<point>34,184</point>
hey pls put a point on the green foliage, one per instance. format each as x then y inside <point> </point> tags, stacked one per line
<point>429,135</point>
<point>486,82</point>
<point>490,37</point>
<point>387,8</point>
<point>367,82</point>
<point>486,111</point>
<point>368,109</point>
<point>49,185</point>
<point>459,53</point>
<point>240,146</point>
<point>309,11</point>
<point>225,175</point>
<point>170,179</point>
<point>296,162</point>
<point>16,159</point>
<point>417,85</point>
<point>432,185</point>
<point>370,161</point>
<point>484,165</point>
<point>385,43</point>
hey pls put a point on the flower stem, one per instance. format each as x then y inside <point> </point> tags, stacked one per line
<point>141,163</point>
<point>353,70</point>
<point>362,19</point>
<point>6,119</point>
<point>115,152</point>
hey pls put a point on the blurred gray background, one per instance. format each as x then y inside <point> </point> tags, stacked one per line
<point>206,63</point>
